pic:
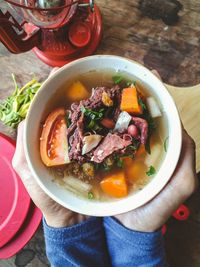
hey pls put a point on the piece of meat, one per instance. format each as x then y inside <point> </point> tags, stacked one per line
<point>127,137</point>
<point>116,113</point>
<point>74,117</point>
<point>80,126</point>
<point>75,131</point>
<point>74,106</point>
<point>71,129</point>
<point>95,101</point>
<point>142,125</point>
<point>111,143</point>
<point>75,147</point>
<point>75,141</point>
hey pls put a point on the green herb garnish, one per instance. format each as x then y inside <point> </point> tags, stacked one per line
<point>120,163</point>
<point>142,104</point>
<point>166,143</point>
<point>106,167</point>
<point>147,146</point>
<point>117,79</point>
<point>151,123</point>
<point>90,195</point>
<point>151,128</point>
<point>15,107</point>
<point>67,119</point>
<point>94,126</point>
<point>93,115</point>
<point>129,83</point>
<point>118,160</point>
<point>133,147</point>
<point>151,171</point>
<point>97,166</point>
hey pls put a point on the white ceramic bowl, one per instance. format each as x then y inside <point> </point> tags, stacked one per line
<point>39,110</point>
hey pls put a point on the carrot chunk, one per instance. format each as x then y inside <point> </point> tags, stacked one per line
<point>129,101</point>
<point>127,161</point>
<point>115,185</point>
<point>136,171</point>
<point>141,150</point>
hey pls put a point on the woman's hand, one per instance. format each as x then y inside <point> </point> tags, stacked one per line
<point>55,214</point>
<point>183,183</point>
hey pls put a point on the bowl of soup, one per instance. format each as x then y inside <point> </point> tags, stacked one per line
<point>102,136</point>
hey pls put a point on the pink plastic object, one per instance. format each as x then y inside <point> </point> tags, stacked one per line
<point>25,233</point>
<point>182,213</point>
<point>14,199</point>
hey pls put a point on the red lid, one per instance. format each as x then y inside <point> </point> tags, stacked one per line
<point>25,233</point>
<point>79,34</point>
<point>14,199</point>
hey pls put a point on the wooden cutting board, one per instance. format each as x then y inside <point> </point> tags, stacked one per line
<point>187,100</point>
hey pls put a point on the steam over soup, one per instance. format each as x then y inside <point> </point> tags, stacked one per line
<point>104,137</point>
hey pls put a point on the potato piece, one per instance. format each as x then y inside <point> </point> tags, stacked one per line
<point>153,107</point>
<point>77,185</point>
<point>77,91</point>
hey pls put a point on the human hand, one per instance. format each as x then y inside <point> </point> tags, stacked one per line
<point>154,214</point>
<point>55,214</point>
<point>183,183</point>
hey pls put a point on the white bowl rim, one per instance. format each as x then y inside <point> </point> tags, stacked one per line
<point>122,205</point>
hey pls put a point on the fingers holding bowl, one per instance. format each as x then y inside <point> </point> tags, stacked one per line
<point>185,180</point>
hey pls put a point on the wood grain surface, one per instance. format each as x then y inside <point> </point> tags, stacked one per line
<point>187,102</point>
<point>175,52</point>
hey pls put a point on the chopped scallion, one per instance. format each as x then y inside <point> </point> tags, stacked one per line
<point>129,83</point>
<point>166,143</point>
<point>93,115</point>
<point>90,195</point>
<point>120,163</point>
<point>14,108</point>
<point>117,79</point>
<point>147,146</point>
<point>151,171</point>
<point>142,104</point>
<point>67,119</point>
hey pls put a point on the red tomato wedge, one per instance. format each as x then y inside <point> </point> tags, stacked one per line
<point>53,141</point>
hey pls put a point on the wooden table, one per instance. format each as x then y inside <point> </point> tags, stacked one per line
<point>172,50</point>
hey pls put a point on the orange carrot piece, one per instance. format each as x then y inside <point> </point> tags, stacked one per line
<point>115,185</point>
<point>135,171</point>
<point>129,101</point>
<point>141,151</point>
<point>127,161</point>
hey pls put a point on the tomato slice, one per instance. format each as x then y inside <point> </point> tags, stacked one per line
<point>53,141</point>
